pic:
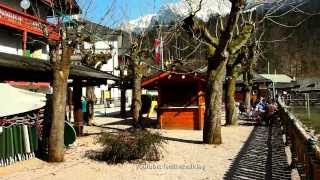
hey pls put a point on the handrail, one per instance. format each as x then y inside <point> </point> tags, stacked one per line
<point>19,20</point>
<point>302,143</point>
<point>25,14</point>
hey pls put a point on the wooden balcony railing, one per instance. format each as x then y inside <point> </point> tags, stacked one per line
<point>30,24</point>
<point>303,145</point>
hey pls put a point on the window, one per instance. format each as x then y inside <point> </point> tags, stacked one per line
<point>179,95</point>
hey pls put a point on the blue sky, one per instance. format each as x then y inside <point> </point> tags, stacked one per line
<point>119,10</point>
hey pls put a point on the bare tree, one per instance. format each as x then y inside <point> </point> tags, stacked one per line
<point>233,71</point>
<point>247,72</point>
<point>252,51</point>
<point>219,50</point>
<point>138,54</point>
<point>60,55</point>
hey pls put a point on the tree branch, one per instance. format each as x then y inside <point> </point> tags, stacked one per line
<point>241,39</point>
<point>227,34</point>
<point>196,27</point>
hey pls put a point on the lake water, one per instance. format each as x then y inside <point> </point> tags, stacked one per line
<point>311,120</point>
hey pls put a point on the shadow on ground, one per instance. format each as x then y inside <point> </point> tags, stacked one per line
<point>182,140</point>
<point>127,121</point>
<point>115,114</point>
<point>262,156</point>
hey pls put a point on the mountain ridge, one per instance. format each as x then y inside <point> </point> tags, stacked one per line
<point>175,12</point>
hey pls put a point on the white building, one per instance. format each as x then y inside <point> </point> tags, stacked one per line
<point>108,40</point>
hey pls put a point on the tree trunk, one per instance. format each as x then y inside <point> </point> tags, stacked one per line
<point>122,95</point>
<point>247,98</point>
<point>60,81</point>
<point>212,119</point>
<point>90,103</point>
<point>123,102</point>
<point>77,107</point>
<point>231,114</point>
<point>247,79</point>
<point>136,97</point>
<point>232,73</point>
<point>70,103</point>
<point>218,57</point>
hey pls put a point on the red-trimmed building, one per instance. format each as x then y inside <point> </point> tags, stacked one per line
<point>25,32</point>
<point>181,101</point>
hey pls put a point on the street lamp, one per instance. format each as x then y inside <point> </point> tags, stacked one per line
<point>25,4</point>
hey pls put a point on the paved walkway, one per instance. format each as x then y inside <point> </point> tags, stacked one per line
<point>263,156</point>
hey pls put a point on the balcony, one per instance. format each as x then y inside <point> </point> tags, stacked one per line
<point>27,23</point>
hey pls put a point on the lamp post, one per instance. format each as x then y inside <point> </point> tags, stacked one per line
<point>25,4</point>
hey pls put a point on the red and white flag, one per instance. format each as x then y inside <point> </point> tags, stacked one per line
<point>157,47</point>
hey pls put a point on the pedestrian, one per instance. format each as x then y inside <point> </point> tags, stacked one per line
<point>260,109</point>
<point>84,110</point>
<point>271,111</point>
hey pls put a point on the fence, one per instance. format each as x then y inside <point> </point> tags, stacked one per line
<point>19,136</point>
<point>306,152</point>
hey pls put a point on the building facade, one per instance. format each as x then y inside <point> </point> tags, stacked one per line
<point>105,40</point>
<point>25,32</point>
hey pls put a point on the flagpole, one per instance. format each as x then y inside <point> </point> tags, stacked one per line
<point>161,53</point>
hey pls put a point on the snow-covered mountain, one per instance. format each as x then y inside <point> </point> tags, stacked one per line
<point>175,12</point>
<point>139,24</point>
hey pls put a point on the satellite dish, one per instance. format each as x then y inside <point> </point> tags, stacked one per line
<point>25,4</point>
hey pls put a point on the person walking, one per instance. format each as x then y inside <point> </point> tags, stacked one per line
<point>84,110</point>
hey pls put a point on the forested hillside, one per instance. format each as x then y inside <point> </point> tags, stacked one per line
<point>293,50</point>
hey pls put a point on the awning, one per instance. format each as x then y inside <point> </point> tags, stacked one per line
<point>19,68</point>
<point>15,101</point>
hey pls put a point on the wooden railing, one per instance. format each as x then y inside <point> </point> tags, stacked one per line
<point>306,152</point>
<point>31,24</point>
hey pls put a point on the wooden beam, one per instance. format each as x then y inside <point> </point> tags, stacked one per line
<point>77,107</point>
<point>24,42</point>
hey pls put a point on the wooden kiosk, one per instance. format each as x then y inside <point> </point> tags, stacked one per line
<point>181,101</point>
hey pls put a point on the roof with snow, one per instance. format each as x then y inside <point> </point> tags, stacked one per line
<point>307,85</point>
<point>278,78</point>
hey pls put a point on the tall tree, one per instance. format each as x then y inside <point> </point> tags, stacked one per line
<point>247,72</point>
<point>61,68</point>
<point>60,55</point>
<point>141,54</point>
<point>138,53</point>
<point>233,71</point>
<point>60,58</point>
<point>219,49</point>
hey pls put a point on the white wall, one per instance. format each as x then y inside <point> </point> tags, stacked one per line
<point>104,46</point>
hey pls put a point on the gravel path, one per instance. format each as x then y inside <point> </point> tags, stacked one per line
<point>184,157</point>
